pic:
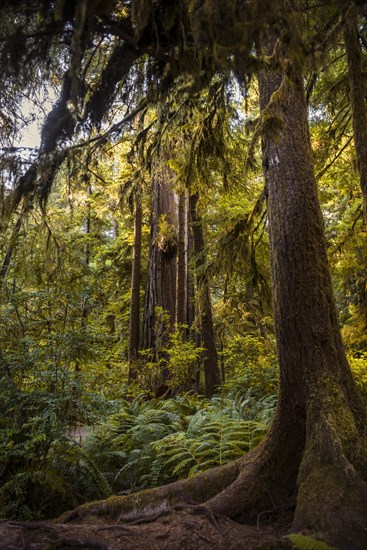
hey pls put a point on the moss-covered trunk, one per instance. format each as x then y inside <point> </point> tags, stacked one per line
<point>314,459</point>
<point>316,385</point>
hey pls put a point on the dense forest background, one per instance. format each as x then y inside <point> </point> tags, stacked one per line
<point>138,342</point>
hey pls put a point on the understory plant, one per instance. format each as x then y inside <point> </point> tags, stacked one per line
<point>42,471</point>
<point>154,442</point>
<point>173,364</point>
<point>251,366</point>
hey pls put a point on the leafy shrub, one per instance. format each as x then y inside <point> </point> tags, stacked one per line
<point>42,472</point>
<point>250,365</point>
<point>358,365</point>
<point>175,362</point>
<point>205,444</point>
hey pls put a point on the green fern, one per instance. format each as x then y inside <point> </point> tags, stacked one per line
<point>154,442</point>
<point>303,542</point>
<point>206,445</point>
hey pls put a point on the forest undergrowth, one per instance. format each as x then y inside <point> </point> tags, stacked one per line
<point>141,444</point>
<point>128,444</point>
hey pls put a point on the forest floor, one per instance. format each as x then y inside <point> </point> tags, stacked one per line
<point>187,529</point>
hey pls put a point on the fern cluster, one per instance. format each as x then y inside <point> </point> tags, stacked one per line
<point>154,442</point>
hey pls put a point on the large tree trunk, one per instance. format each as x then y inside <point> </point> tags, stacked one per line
<point>357,83</point>
<point>161,285</point>
<point>134,326</point>
<point>316,385</point>
<point>160,296</point>
<point>211,369</point>
<point>315,456</point>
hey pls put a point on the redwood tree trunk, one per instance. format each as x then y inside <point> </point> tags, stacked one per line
<point>161,284</point>
<point>134,327</point>
<point>357,83</point>
<point>160,296</point>
<point>211,368</point>
<point>314,458</point>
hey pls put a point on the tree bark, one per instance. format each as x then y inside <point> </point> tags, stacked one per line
<point>134,326</point>
<point>160,296</point>
<point>211,368</point>
<point>357,92</point>
<point>181,263</point>
<point>161,284</point>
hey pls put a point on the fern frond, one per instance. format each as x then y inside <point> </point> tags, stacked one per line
<point>303,542</point>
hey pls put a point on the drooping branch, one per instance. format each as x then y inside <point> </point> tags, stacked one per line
<point>122,59</point>
<point>60,125</point>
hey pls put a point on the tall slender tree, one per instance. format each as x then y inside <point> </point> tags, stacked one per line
<point>357,86</point>
<point>134,324</point>
<point>204,306</point>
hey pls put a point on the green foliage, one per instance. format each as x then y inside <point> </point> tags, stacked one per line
<point>183,358</point>
<point>250,365</point>
<point>358,365</point>
<point>42,471</point>
<point>64,301</point>
<point>154,442</point>
<point>166,239</point>
<point>208,442</point>
<point>174,363</point>
<point>303,542</point>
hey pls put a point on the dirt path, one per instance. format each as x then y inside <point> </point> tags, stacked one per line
<point>184,530</point>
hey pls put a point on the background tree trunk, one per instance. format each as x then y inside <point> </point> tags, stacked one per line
<point>181,262</point>
<point>161,284</point>
<point>210,356</point>
<point>160,296</point>
<point>357,84</point>
<point>134,325</point>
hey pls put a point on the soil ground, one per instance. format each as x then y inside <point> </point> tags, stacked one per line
<point>187,529</point>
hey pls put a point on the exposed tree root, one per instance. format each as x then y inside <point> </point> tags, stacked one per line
<point>189,529</point>
<point>147,519</point>
<point>195,490</point>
